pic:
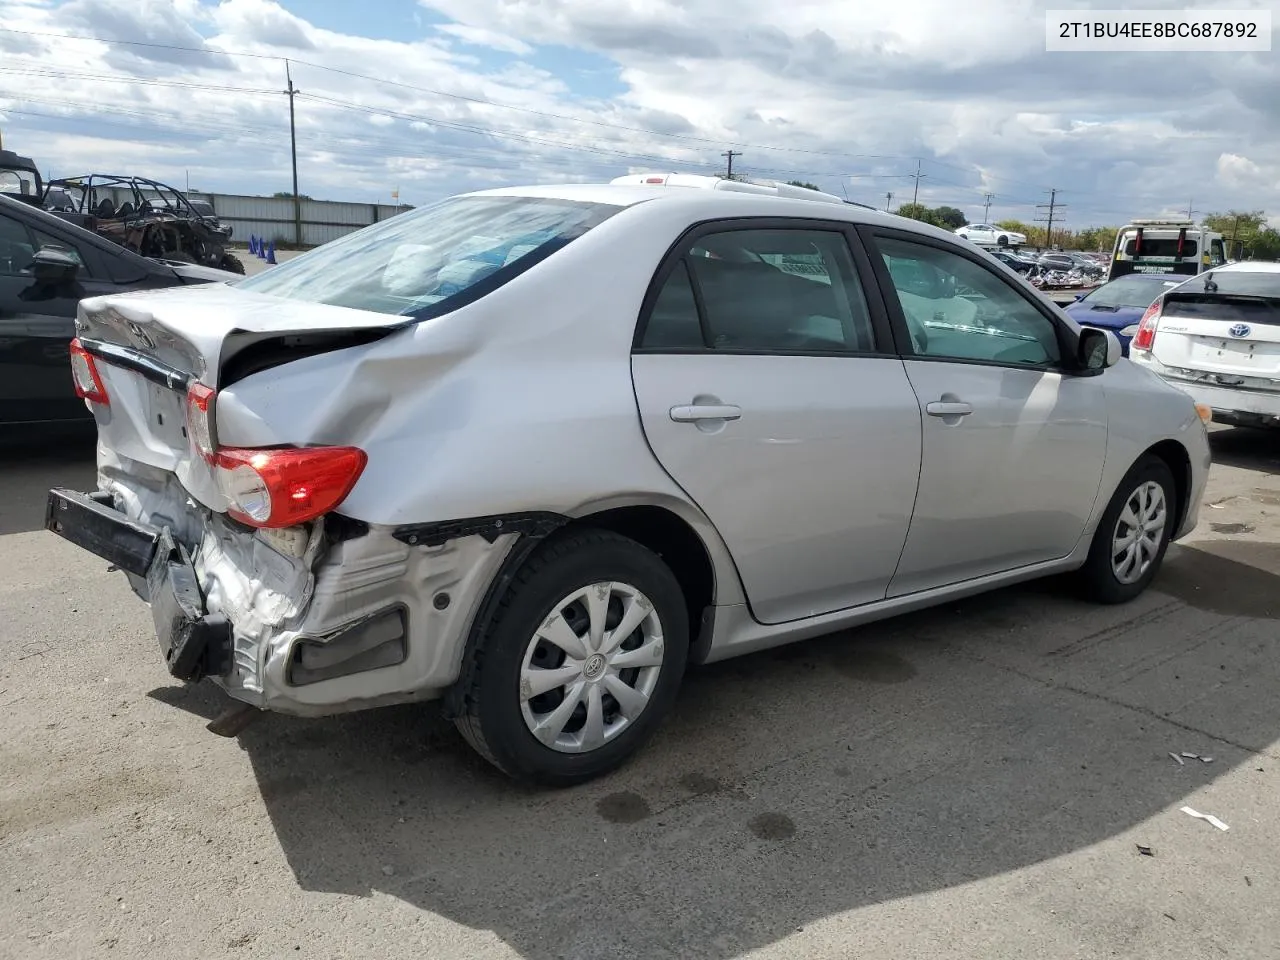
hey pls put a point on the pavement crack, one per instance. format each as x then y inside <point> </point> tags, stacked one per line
<point>1257,751</point>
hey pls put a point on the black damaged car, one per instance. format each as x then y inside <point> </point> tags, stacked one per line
<point>47,266</point>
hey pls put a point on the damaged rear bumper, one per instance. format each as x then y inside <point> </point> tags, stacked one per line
<point>319,622</point>
<point>193,642</point>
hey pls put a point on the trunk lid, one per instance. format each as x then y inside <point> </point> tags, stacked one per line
<point>1230,339</point>
<point>150,346</point>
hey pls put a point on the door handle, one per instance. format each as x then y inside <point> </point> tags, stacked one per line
<point>694,412</point>
<point>948,408</point>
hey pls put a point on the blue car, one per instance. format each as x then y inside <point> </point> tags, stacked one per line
<point>1119,305</point>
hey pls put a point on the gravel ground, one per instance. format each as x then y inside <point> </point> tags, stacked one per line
<point>971,781</point>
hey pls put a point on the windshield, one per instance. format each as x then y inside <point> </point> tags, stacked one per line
<point>434,259</point>
<point>1136,290</point>
<point>1156,247</point>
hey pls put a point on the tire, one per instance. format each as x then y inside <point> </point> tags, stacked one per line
<point>231,263</point>
<point>1002,241</point>
<point>1100,578</point>
<point>498,715</point>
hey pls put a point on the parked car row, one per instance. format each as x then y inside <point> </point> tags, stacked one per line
<point>405,466</point>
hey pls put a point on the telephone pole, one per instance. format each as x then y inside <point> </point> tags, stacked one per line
<point>729,155</point>
<point>888,199</point>
<point>1190,211</point>
<point>293,149</point>
<point>986,208</point>
<point>1051,207</point>
<point>915,195</point>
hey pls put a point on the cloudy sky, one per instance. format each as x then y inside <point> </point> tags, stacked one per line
<point>440,96</point>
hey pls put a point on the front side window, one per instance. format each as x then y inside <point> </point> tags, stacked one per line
<point>429,261</point>
<point>17,247</point>
<point>958,309</point>
<point>773,291</point>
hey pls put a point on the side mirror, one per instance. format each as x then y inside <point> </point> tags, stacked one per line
<point>1098,349</point>
<point>54,265</point>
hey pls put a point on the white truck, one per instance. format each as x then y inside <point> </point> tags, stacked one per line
<point>1180,247</point>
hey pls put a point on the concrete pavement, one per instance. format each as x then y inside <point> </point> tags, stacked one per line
<point>971,781</point>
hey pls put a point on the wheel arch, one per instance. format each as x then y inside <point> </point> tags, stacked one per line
<point>1178,460</point>
<point>680,547</point>
<point>704,570</point>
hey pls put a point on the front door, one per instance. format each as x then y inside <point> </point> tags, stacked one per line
<point>1013,443</point>
<point>37,324</point>
<point>768,389</point>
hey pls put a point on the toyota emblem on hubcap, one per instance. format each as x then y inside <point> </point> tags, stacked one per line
<point>593,669</point>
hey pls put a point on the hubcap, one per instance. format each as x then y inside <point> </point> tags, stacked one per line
<point>591,667</point>
<point>1139,531</point>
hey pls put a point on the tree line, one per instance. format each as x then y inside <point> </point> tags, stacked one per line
<point>1246,232</point>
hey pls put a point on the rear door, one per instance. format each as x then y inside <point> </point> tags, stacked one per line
<point>1223,328</point>
<point>768,388</point>
<point>1013,442</point>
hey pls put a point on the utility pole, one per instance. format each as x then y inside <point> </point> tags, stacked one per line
<point>986,208</point>
<point>1190,211</point>
<point>916,193</point>
<point>1052,207</point>
<point>729,155</point>
<point>293,148</point>
<point>888,199</point>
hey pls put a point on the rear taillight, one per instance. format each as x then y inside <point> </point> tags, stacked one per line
<point>200,419</point>
<point>1146,335</point>
<point>283,487</point>
<point>84,371</point>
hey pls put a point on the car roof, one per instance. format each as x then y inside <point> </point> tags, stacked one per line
<point>1250,266</point>
<point>712,204</point>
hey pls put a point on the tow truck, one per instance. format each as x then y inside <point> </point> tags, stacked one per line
<point>1180,247</point>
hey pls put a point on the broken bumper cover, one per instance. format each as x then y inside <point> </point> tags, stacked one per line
<point>341,622</point>
<point>193,642</point>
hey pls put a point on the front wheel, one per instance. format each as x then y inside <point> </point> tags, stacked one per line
<point>581,662</point>
<point>231,263</point>
<point>1133,535</point>
<point>1002,241</point>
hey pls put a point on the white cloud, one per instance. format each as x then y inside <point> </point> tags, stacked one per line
<point>483,37</point>
<point>821,90</point>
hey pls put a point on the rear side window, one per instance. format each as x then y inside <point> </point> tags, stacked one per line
<point>435,259</point>
<point>770,291</point>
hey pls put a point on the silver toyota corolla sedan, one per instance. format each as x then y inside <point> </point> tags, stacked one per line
<point>531,452</point>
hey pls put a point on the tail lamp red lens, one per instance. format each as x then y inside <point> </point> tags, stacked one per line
<point>84,372</point>
<point>1146,335</point>
<point>286,486</point>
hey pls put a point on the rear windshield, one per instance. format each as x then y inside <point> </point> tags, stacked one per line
<point>1239,296</point>
<point>1160,247</point>
<point>1135,290</point>
<point>429,261</point>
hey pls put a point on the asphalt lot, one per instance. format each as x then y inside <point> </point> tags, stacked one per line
<point>971,781</point>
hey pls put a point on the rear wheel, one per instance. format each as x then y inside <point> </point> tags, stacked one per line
<point>1133,535</point>
<point>581,661</point>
